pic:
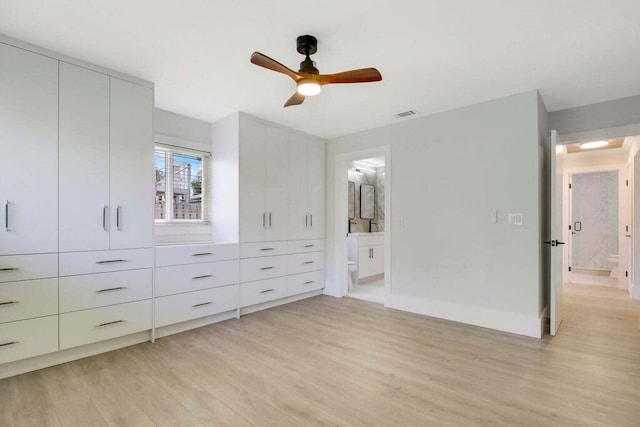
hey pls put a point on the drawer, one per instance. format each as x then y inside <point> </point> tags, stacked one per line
<point>301,263</point>
<point>193,277</point>
<point>28,338</point>
<point>262,268</point>
<point>299,246</point>
<point>305,282</point>
<point>99,324</point>
<point>26,267</point>
<point>258,249</point>
<point>28,299</point>
<point>195,253</point>
<point>72,263</point>
<point>262,291</point>
<point>191,305</point>
<point>99,290</point>
<point>374,240</point>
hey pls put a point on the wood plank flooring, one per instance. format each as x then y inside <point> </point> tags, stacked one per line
<point>345,362</point>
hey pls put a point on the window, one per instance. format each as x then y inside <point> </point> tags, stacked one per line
<point>180,185</point>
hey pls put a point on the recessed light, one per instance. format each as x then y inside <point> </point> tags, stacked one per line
<point>594,144</point>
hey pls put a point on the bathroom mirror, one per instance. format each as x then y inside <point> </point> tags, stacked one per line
<point>367,201</point>
<point>352,200</point>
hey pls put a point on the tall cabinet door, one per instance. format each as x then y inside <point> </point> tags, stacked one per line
<point>253,215</point>
<point>316,187</point>
<point>28,152</point>
<point>84,159</point>
<point>298,222</point>
<point>131,169</point>
<point>277,174</point>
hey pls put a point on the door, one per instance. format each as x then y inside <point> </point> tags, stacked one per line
<point>84,159</point>
<point>131,165</point>
<point>555,243</point>
<point>252,181</point>
<point>315,187</point>
<point>277,174</point>
<point>366,266</point>
<point>298,209</point>
<point>28,152</point>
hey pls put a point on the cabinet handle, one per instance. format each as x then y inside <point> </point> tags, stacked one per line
<point>202,277</point>
<point>203,254</point>
<point>6,215</point>
<point>267,249</point>
<point>4,344</point>
<point>119,288</point>
<point>9,302</point>
<point>306,220</point>
<point>202,304</point>
<point>118,218</point>
<point>104,218</point>
<point>110,323</point>
<point>264,220</point>
<point>309,282</point>
<point>309,262</point>
<point>266,268</point>
<point>311,220</point>
<point>267,290</point>
<point>370,252</point>
<point>110,261</point>
<point>309,246</point>
<point>9,269</point>
<point>269,219</point>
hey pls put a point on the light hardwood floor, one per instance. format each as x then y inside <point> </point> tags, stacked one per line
<point>328,361</point>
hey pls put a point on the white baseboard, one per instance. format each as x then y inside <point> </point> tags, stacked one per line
<point>46,360</point>
<point>331,289</point>
<point>275,303</point>
<point>635,292</point>
<point>486,318</point>
<point>195,323</point>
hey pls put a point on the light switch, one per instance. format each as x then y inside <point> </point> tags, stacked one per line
<point>515,219</point>
<point>494,216</point>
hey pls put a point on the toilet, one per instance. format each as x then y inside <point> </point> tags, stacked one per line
<point>352,267</point>
<point>613,263</point>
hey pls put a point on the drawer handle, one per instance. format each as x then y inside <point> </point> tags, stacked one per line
<point>110,323</point>
<point>268,249</point>
<point>309,246</point>
<point>202,277</point>
<point>203,254</point>
<point>309,262</point>
<point>267,290</point>
<point>266,268</point>
<point>9,302</point>
<point>5,344</point>
<point>9,269</point>
<point>119,288</point>
<point>309,282</point>
<point>202,304</point>
<point>109,261</point>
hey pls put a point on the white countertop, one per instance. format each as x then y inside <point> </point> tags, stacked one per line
<point>375,233</point>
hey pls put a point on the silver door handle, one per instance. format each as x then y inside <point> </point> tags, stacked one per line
<point>9,269</point>
<point>6,215</point>
<point>9,303</point>
<point>311,220</point>
<point>264,220</point>
<point>306,220</point>
<point>118,218</point>
<point>104,218</point>
<point>269,219</point>
<point>4,344</point>
<point>202,277</point>
<point>202,304</point>
<point>119,288</point>
<point>115,322</point>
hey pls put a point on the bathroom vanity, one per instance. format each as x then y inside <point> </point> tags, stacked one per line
<point>367,251</point>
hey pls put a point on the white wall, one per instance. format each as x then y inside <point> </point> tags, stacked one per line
<point>182,127</point>
<point>449,260</point>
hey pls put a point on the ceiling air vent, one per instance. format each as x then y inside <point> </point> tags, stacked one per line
<point>404,114</point>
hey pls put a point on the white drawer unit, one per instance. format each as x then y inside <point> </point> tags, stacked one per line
<point>262,291</point>
<point>192,277</point>
<point>25,267</point>
<point>28,338</point>
<point>73,263</point>
<point>252,269</point>
<point>260,249</point>
<point>99,324</point>
<point>371,240</point>
<point>195,253</point>
<point>305,282</point>
<point>99,290</point>
<point>298,246</point>
<point>192,305</point>
<point>28,299</point>
<point>304,262</point>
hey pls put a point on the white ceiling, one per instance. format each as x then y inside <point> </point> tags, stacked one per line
<point>434,55</point>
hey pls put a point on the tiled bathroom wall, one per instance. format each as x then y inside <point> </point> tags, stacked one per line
<point>594,212</point>
<point>377,180</point>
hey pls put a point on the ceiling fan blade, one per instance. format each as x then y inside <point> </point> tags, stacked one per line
<point>271,64</point>
<point>362,75</point>
<point>296,99</point>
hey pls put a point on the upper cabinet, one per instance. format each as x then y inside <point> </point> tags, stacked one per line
<point>106,162</point>
<point>28,152</point>
<point>306,187</point>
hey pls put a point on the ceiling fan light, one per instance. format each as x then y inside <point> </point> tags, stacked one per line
<point>309,87</point>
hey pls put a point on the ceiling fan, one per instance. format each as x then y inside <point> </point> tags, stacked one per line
<point>308,79</point>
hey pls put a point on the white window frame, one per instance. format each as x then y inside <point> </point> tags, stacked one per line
<point>171,149</point>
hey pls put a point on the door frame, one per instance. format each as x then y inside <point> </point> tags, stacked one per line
<point>341,215</point>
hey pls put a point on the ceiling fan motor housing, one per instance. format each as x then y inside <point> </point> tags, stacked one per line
<point>308,45</point>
